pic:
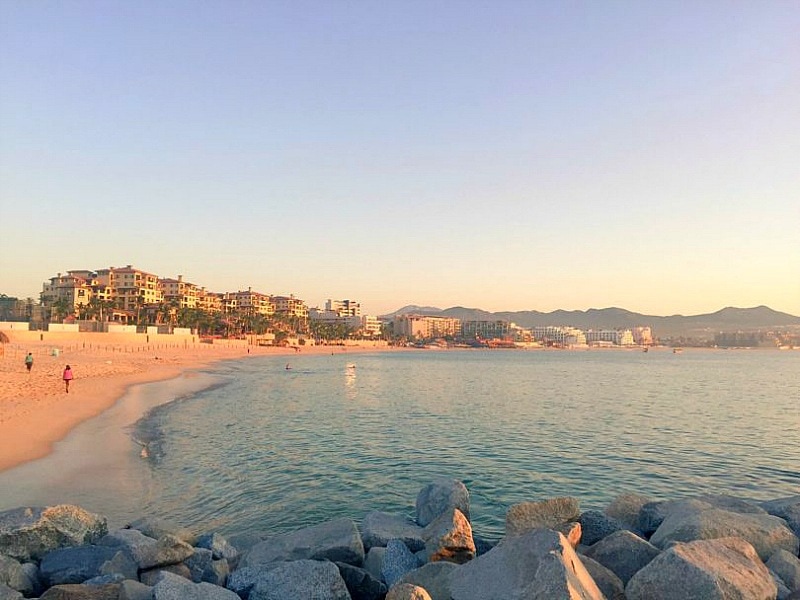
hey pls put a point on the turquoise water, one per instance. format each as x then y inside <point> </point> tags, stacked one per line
<point>269,449</point>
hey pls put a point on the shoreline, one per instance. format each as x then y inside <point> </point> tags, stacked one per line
<point>36,412</point>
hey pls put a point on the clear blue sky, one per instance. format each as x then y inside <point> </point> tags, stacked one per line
<point>504,155</point>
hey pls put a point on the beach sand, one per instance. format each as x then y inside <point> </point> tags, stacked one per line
<point>36,411</point>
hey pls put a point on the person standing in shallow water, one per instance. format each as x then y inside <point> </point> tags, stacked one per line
<point>67,377</point>
<point>29,362</point>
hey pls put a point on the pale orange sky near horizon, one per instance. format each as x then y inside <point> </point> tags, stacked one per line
<point>504,156</point>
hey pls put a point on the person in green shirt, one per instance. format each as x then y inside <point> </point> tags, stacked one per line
<point>29,361</point>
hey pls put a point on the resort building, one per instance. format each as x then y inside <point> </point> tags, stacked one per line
<point>72,290</point>
<point>249,302</point>
<point>642,336</point>
<point>290,306</point>
<point>182,293</point>
<point>485,330</point>
<point>343,307</point>
<point>130,288</point>
<point>209,301</point>
<point>414,326</point>
<point>617,337</point>
<point>555,335</point>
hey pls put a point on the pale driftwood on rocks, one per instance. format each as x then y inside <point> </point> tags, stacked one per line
<point>337,540</point>
<point>786,566</point>
<point>407,591</point>
<point>624,553</point>
<point>439,497</point>
<point>449,537</point>
<point>527,516</point>
<point>301,579</point>
<point>397,561</point>
<point>538,564</point>
<point>31,532</point>
<point>380,527</point>
<point>572,531</point>
<point>719,569</point>
<point>435,578</point>
<point>765,532</point>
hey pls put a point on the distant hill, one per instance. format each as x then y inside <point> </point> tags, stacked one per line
<point>727,319</point>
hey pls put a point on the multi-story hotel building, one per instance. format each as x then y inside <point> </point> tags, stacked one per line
<point>183,293</point>
<point>559,335</point>
<point>343,307</point>
<point>618,337</point>
<point>250,302</point>
<point>76,287</point>
<point>131,288</point>
<point>291,306</point>
<point>414,326</point>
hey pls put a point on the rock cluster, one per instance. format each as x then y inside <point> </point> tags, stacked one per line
<point>706,547</point>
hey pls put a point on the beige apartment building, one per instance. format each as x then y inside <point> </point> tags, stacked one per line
<point>130,288</point>
<point>425,326</point>
<point>250,302</point>
<point>291,306</point>
<point>76,287</point>
<point>183,293</point>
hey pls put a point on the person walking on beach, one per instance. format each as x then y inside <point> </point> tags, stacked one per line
<point>67,377</point>
<point>29,362</point>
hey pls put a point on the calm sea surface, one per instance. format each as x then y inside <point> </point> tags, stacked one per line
<point>268,449</point>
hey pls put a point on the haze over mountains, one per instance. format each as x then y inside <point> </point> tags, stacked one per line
<point>727,319</point>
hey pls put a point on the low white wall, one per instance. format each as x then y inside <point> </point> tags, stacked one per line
<point>15,325</point>
<point>71,327</point>
<point>121,328</point>
<point>181,331</point>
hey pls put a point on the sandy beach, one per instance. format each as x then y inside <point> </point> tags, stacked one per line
<point>36,411</point>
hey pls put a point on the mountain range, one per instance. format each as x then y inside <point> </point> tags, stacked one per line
<point>701,326</point>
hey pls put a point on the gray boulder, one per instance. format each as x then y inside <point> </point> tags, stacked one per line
<point>22,578</point>
<point>435,578</point>
<point>360,584</point>
<point>596,525</point>
<point>82,592</point>
<point>608,582</point>
<point>336,540</point>
<point>174,587</point>
<point>243,580</point>
<point>538,564</point>
<point>153,576</point>
<point>765,532</point>
<point>146,551</point>
<point>397,561</point>
<point>407,591</point>
<point>787,509</point>
<point>380,527</point>
<point>527,516</point>
<point>134,590</point>
<point>719,569</point>
<point>373,563</point>
<point>203,567</point>
<point>624,553</point>
<point>301,579</point>
<point>625,509</point>
<point>30,533</point>
<point>786,566</point>
<point>653,514</point>
<point>7,593</point>
<point>439,497</point>
<point>783,591</point>
<point>157,528</point>
<point>449,537</point>
<point>76,565</point>
<point>219,546</point>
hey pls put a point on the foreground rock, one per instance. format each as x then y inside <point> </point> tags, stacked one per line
<point>301,579</point>
<point>764,532</point>
<point>30,533</point>
<point>439,497</point>
<point>337,540</point>
<point>527,516</point>
<point>719,569</point>
<point>449,537</point>
<point>624,553</point>
<point>379,527</point>
<point>538,564</point>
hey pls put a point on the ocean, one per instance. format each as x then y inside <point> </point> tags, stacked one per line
<point>251,446</point>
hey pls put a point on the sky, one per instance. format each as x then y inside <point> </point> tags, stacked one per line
<point>503,155</point>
